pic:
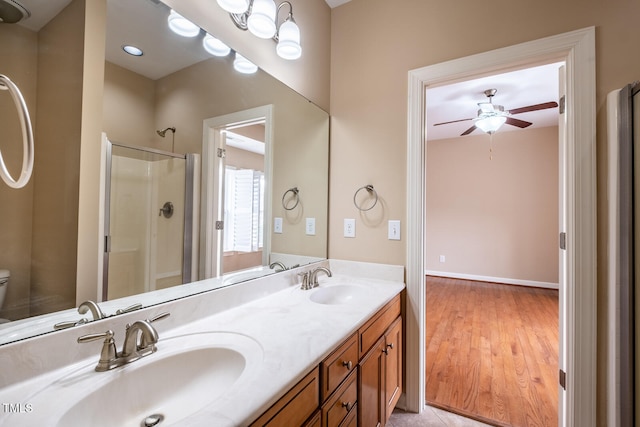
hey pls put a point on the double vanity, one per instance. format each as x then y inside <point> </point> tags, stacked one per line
<point>263,352</point>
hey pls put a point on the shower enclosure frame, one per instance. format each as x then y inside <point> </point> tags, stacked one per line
<point>187,243</point>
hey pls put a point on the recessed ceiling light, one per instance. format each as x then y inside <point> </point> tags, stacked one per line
<point>132,50</point>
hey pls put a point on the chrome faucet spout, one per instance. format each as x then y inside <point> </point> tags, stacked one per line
<point>148,338</point>
<point>93,307</point>
<point>277,264</point>
<point>313,277</point>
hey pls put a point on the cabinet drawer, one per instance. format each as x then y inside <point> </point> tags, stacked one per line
<point>296,406</point>
<point>338,365</point>
<point>352,418</point>
<point>374,328</point>
<point>341,403</point>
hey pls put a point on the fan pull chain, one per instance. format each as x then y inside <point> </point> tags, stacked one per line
<point>491,146</point>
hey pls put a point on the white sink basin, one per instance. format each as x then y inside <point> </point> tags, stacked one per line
<point>337,294</point>
<point>187,374</point>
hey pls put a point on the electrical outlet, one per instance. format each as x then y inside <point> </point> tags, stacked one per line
<point>311,227</point>
<point>394,230</point>
<point>277,225</point>
<point>349,227</point>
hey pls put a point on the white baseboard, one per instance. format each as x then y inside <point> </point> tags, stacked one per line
<point>504,280</point>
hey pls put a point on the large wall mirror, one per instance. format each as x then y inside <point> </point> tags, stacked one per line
<point>175,100</point>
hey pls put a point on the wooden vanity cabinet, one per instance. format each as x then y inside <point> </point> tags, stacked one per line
<point>357,385</point>
<point>380,383</point>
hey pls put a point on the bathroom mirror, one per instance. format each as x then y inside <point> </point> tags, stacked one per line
<point>45,55</point>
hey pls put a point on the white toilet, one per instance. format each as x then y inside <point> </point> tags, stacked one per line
<point>4,282</point>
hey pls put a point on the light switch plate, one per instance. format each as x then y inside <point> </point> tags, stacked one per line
<point>277,225</point>
<point>349,227</point>
<point>311,227</point>
<point>394,230</point>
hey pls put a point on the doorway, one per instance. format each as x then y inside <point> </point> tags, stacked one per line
<point>577,49</point>
<point>236,183</point>
<point>492,210</point>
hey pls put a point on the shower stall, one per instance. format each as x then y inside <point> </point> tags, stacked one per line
<point>149,208</point>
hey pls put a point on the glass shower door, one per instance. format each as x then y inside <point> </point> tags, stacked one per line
<point>145,221</point>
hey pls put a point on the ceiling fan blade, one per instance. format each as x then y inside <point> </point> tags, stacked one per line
<point>468,131</point>
<point>517,122</point>
<point>453,121</point>
<point>535,107</point>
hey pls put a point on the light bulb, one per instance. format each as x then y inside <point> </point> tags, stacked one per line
<point>243,65</point>
<point>262,21</point>
<point>289,40</point>
<point>490,124</point>
<point>182,26</point>
<point>234,6</point>
<point>214,46</point>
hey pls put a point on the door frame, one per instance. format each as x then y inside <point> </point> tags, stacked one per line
<point>577,50</point>
<point>210,238</point>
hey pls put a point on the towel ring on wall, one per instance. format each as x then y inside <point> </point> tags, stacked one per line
<point>370,190</point>
<point>296,195</point>
<point>27,137</point>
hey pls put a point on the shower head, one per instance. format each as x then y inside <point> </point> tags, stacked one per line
<point>164,131</point>
<point>11,12</point>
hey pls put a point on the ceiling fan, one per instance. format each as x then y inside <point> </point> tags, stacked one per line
<point>491,116</point>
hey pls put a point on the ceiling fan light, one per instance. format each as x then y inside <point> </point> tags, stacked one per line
<point>289,40</point>
<point>490,124</point>
<point>243,65</point>
<point>181,25</point>
<point>262,21</point>
<point>234,6</point>
<point>214,46</point>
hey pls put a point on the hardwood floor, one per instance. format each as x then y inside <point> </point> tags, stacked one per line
<point>492,351</point>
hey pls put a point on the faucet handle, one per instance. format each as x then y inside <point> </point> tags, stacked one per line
<point>108,354</point>
<point>159,317</point>
<point>131,308</point>
<point>305,280</point>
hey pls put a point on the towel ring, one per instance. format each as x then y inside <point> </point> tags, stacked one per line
<point>27,137</point>
<point>295,192</point>
<point>370,190</point>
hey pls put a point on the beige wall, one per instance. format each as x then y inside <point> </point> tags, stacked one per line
<point>372,51</point>
<point>494,217</point>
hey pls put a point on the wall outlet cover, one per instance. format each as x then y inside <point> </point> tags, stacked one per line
<point>311,227</point>
<point>277,225</point>
<point>349,227</point>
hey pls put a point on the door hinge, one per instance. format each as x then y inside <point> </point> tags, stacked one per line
<point>563,240</point>
<point>219,225</point>
<point>107,243</point>
<point>563,379</point>
<point>221,152</point>
<point>562,104</point>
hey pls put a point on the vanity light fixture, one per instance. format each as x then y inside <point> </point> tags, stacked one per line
<point>214,46</point>
<point>491,124</point>
<point>260,17</point>
<point>132,50</point>
<point>181,25</point>
<point>243,65</point>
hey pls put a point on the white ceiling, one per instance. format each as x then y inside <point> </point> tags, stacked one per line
<point>336,3</point>
<point>516,89</point>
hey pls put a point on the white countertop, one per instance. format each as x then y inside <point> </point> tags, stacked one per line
<point>295,334</point>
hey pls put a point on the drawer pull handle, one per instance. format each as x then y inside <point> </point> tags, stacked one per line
<point>390,346</point>
<point>348,364</point>
<point>347,405</point>
<point>385,351</point>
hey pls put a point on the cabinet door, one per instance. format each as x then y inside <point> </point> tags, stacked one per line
<point>371,388</point>
<point>393,368</point>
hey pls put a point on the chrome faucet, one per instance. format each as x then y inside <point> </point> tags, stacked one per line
<point>139,341</point>
<point>93,307</point>
<point>277,264</point>
<point>305,286</point>
<point>313,276</point>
